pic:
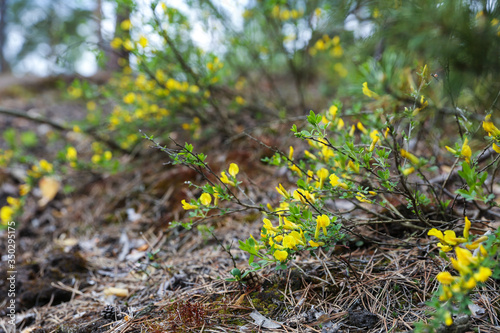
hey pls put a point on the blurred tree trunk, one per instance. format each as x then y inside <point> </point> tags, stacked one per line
<point>4,66</point>
<point>122,13</point>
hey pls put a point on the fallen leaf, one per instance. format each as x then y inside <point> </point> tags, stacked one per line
<point>49,187</point>
<point>476,310</point>
<point>262,321</point>
<point>119,292</point>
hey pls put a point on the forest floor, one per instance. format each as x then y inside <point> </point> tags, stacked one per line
<point>104,259</point>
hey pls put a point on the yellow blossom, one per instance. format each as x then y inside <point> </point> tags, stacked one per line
<point>351,131</point>
<point>205,199</point>
<point>126,25</point>
<point>239,100</point>
<point>445,278</point>
<point>353,166</point>
<point>448,320</point>
<point>280,255</point>
<point>143,41</point>
<point>314,244</point>
<point>368,92</point>
<point>24,189</point>
<point>322,222</point>
<point>71,153</point>
<point>360,126</point>
<point>374,136</point>
<point>107,155</point>
<point>483,274</point>
<point>187,206</point>
<point>362,198</point>
<point>467,228</point>
<point>281,190</point>
<point>466,151</point>
<point>333,111</point>
<point>496,148</point>
<point>296,169</point>
<point>408,171</point>
<point>289,225</point>
<point>489,127</point>
<point>413,159</point>
<point>226,180</point>
<point>290,242</point>
<point>129,98</point>
<point>233,169</point>
<point>335,181</point>
<point>116,43</point>
<point>6,213</point>
<point>304,196</point>
<point>290,153</point>
<point>322,175</point>
<point>46,166</point>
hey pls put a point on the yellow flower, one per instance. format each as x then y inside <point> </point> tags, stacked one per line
<point>280,255</point>
<point>46,166</point>
<point>296,169</point>
<point>269,227</point>
<point>290,153</point>
<point>340,124</point>
<point>466,151</point>
<point>483,274</point>
<point>281,190</point>
<point>351,131</point>
<point>304,196</point>
<point>96,158</point>
<point>322,175</point>
<point>353,166</point>
<point>188,206</point>
<point>335,181</point>
<point>360,126</point>
<point>239,100</point>
<point>414,159</point>
<point>448,320</point>
<point>445,278</point>
<point>226,180</point>
<point>475,244</point>
<point>143,41</point>
<point>116,43</point>
<point>368,92</point>
<point>290,242</point>
<point>374,136</point>
<point>233,169</point>
<point>408,171</point>
<point>24,189</point>
<point>333,111</point>
<point>126,25</point>
<point>6,213</point>
<point>314,244</point>
<point>322,222</point>
<point>489,127</point>
<point>205,199</point>
<point>467,228</point>
<point>107,155</point>
<point>289,225</point>
<point>362,198</point>
<point>71,153</point>
<point>496,148</point>
<point>129,98</point>
<point>470,284</point>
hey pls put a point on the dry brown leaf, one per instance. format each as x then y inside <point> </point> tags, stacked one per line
<point>49,187</point>
<point>120,292</point>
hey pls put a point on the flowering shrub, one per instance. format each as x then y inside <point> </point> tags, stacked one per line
<point>368,148</point>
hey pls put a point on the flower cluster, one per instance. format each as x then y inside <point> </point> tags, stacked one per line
<point>202,205</point>
<point>469,265</point>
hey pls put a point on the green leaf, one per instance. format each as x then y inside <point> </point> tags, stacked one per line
<point>29,139</point>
